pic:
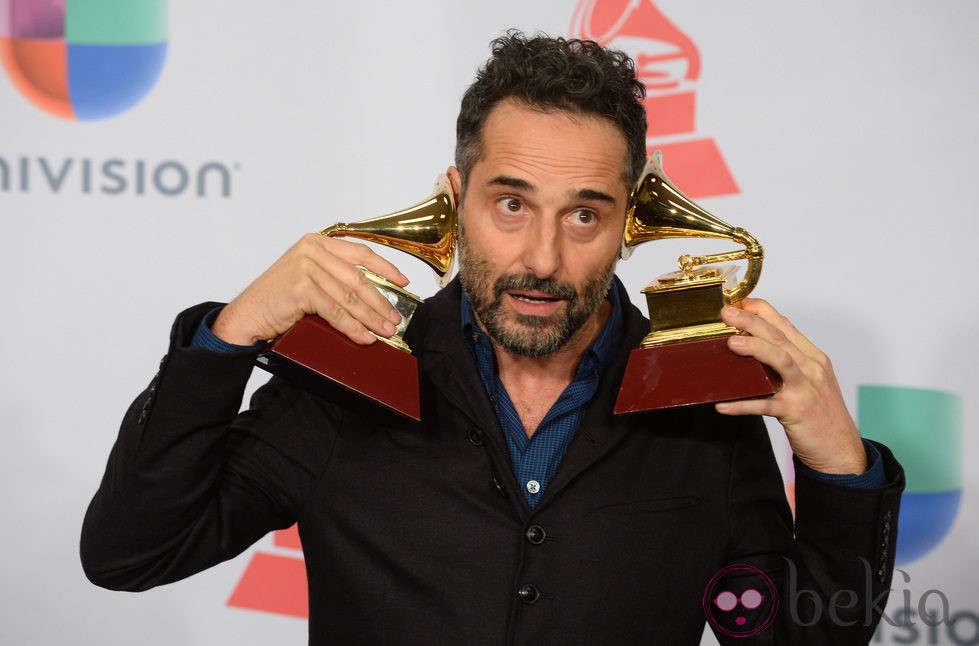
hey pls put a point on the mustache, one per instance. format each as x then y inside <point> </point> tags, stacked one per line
<point>525,282</point>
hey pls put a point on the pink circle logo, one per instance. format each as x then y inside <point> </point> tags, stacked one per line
<point>740,601</point>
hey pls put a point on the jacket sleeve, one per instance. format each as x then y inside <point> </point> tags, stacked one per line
<point>830,583</point>
<point>190,482</point>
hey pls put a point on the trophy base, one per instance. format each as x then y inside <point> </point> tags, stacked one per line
<point>314,355</point>
<point>691,372</point>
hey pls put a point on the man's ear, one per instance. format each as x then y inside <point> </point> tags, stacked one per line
<point>455,179</point>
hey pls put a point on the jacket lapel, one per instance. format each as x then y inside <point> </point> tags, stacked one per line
<point>449,370</point>
<point>600,430</point>
<point>435,334</point>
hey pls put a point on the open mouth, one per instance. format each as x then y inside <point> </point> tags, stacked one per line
<point>535,298</point>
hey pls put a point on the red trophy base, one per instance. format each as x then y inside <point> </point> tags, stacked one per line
<point>316,356</point>
<point>691,372</point>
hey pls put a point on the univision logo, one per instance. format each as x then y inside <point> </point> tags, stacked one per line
<point>83,59</point>
<point>924,430</point>
<point>114,176</point>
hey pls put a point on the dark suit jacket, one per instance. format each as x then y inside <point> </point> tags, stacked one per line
<point>416,533</point>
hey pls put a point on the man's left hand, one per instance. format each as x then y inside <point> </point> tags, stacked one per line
<point>810,405</point>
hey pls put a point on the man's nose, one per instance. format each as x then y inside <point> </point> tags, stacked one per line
<point>542,248</point>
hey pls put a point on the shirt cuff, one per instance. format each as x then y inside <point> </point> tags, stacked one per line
<point>205,338</point>
<point>872,478</point>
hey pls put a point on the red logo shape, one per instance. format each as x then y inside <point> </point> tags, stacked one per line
<point>275,582</point>
<point>668,63</point>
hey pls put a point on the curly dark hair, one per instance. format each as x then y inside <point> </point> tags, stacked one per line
<point>576,76</point>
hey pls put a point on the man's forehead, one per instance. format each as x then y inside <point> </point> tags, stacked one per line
<point>520,145</point>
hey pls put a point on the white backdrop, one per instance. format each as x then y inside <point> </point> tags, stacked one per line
<point>849,127</point>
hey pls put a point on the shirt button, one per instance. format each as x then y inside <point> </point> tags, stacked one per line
<point>528,593</point>
<point>533,486</point>
<point>536,534</point>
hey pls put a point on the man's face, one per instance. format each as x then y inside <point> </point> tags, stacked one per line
<point>541,225</point>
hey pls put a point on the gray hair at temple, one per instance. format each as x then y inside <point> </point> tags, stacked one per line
<point>575,76</point>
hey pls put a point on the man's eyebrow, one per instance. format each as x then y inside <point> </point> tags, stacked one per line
<point>512,182</point>
<point>589,194</point>
<point>592,194</point>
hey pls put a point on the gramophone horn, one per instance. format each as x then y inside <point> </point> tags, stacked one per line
<point>659,210</point>
<point>426,230</point>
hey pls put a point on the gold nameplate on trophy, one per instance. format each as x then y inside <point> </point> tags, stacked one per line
<point>686,305</point>
<point>685,360</point>
<point>316,356</point>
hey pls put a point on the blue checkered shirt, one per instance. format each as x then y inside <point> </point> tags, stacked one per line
<point>535,459</point>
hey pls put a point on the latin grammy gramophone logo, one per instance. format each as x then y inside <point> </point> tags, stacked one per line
<point>668,63</point>
<point>83,60</point>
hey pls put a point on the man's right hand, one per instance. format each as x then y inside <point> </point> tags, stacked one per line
<point>317,275</point>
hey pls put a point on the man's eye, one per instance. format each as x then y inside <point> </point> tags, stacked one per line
<point>511,205</point>
<point>583,217</point>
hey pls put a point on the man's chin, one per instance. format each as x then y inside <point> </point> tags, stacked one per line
<point>529,324</point>
<point>532,349</point>
<point>538,338</point>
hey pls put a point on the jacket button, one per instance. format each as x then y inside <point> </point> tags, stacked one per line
<point>475,437</point>
<point>536,534</point>
<point>528,593</point>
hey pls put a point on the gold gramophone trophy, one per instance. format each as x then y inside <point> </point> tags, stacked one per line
<point>684,359</point>
<point>315,355</point>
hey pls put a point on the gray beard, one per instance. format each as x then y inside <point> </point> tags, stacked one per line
<point>527,335</point>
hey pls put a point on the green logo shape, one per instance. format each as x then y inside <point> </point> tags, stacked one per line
<point>116,22</point>
<point>922,427</point>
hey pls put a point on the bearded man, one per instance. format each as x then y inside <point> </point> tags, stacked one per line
<point>520,510</point>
